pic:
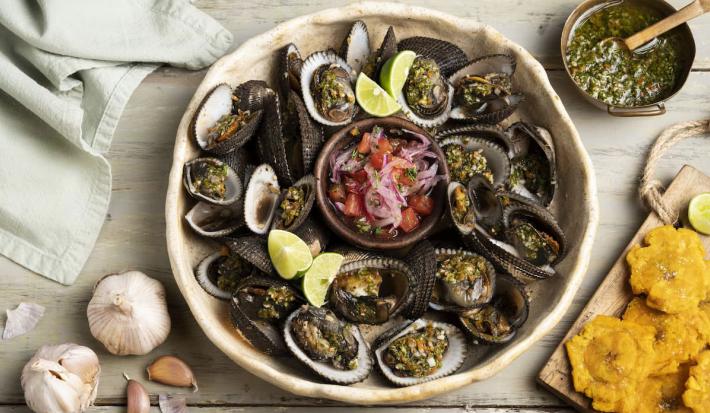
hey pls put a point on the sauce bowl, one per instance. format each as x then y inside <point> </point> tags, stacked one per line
<point>589,7</point>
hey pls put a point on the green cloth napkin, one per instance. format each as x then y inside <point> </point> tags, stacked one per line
<point>67,69</point>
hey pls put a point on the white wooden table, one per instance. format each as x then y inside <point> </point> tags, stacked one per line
<point>133,236</point>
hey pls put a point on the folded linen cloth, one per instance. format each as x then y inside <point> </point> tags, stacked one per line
<point>67,69</point>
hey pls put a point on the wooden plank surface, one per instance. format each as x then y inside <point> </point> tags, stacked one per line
<point>614,293</point>
<point>133,235</point>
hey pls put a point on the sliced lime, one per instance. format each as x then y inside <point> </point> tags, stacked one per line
<point>289,254</point>
<point>373,99</point>
<point>395,71</point>
<point>699,213</point>
<point>318,278</point>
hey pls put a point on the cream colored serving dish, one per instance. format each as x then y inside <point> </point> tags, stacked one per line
<point>576,198</point>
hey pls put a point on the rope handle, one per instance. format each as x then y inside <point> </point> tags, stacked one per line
<point>650,188</point>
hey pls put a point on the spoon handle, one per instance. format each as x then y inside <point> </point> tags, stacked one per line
<point>691,11</point>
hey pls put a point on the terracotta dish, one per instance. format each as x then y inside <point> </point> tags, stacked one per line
<point>575,202</point>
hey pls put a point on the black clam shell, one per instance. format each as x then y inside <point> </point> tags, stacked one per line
<point>541,219</point>
<point>310,133</point>
<point>270,141</point>
<point>314,234</point>
<point>290,62</point>
<point>448,56</point>
<point>422,260</point>
<point>254,249</point>
<point>260,334</point>
<point>308,184</point>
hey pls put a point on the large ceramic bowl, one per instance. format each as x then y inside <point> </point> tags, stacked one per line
<point>576,202</point>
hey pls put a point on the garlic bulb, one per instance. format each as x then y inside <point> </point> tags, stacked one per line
<point>61,379</point>
<point>128,313</point>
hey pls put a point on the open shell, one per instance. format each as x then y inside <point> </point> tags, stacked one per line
<point>498,321</point>
<point>458,197</point>
<point>314,234</point>
<point>252,248</point>
<point>453,357</point>
<point>448,298</point>
<point>356,47</point>
<point>324,369</point>
<point>543,225</point>
<point>215,221</point>
<point>290,64</point>
<point>263,334</point>
<point>495,107</point>
<point>261,199</point>
<point>232,183</point>
<point>387,49</point>
<point>496,156</point>
<point>448,56</point>
<point>308,185</point>
<point>220,102</point>
<point>206,275</point>
<point>310,65</point>
<point>428,120</point>
<point>395,292</point>
<point>533,142</point>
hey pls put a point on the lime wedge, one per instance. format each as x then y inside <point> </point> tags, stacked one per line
<point>373,99</point>
<point>318,278</point>
<point>699,213</point>
<point>289,254</point>
<point>395,71</point>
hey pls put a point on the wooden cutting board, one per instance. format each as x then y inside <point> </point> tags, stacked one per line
<point>614,293</point>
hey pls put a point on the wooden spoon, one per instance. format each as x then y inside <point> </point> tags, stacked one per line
<point>689,12</point>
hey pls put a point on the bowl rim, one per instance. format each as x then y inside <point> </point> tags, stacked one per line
<point>321,170</point>
<point>588,7</point>
<point>247,357</point>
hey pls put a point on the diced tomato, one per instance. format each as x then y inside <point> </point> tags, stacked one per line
<point>360,176</point>
<point>377,159</point>
<point>351,185</point>
<point>354,206</point>
<point>422,204</point>
<point>401,177</point>
<point>364,146</point>
<point>384,145</point>
<point>336,193</point>
<point>397,145</point>
<point>410,220</point>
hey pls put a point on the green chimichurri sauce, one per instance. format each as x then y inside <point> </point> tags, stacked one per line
<point>611,73</point>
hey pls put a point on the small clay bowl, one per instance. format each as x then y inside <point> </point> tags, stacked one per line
<point>342,138</point>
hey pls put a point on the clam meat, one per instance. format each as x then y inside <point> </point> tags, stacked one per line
<point>464,280</point>
<point>327,84</point>
<point>212,181</point>
<point>426,97</point>
<point>220,273</point>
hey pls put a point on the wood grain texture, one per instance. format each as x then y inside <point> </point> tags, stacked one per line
<point>133,235</point>
<point>614,293</point>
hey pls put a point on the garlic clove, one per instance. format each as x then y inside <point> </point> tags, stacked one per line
<point>61,379</point>
<point>137,397</point>
<point>172,403</point>
<point>22,320</point>
<point>128,313</point>
<point>172,371</point>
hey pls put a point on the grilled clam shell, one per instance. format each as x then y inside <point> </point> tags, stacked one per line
<point>533,145</point>
<point>453,358</point>
<point>461,207</point>
<point>540,228</point>
<point>270,142</point>
<point>462,295</point>
<point>487,205</point>
<point>395,291</point>
<point>206,273</point>
<point>441,96</point>
<point>200,166</point>
<point>448,56</point>
<point>496,156</point>
<point>302,136</point>
<point>355,49</point>
<point>311,72</point>
<point>307,184</point>
<point>323,368</point>
<point>215,221</point>
<point>218,103</point>
<point>498,321</point>
<point>261,199</point>
<point>248,299</point>
<point>493,73</point>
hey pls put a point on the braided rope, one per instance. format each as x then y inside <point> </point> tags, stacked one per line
<point>650,188</point>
